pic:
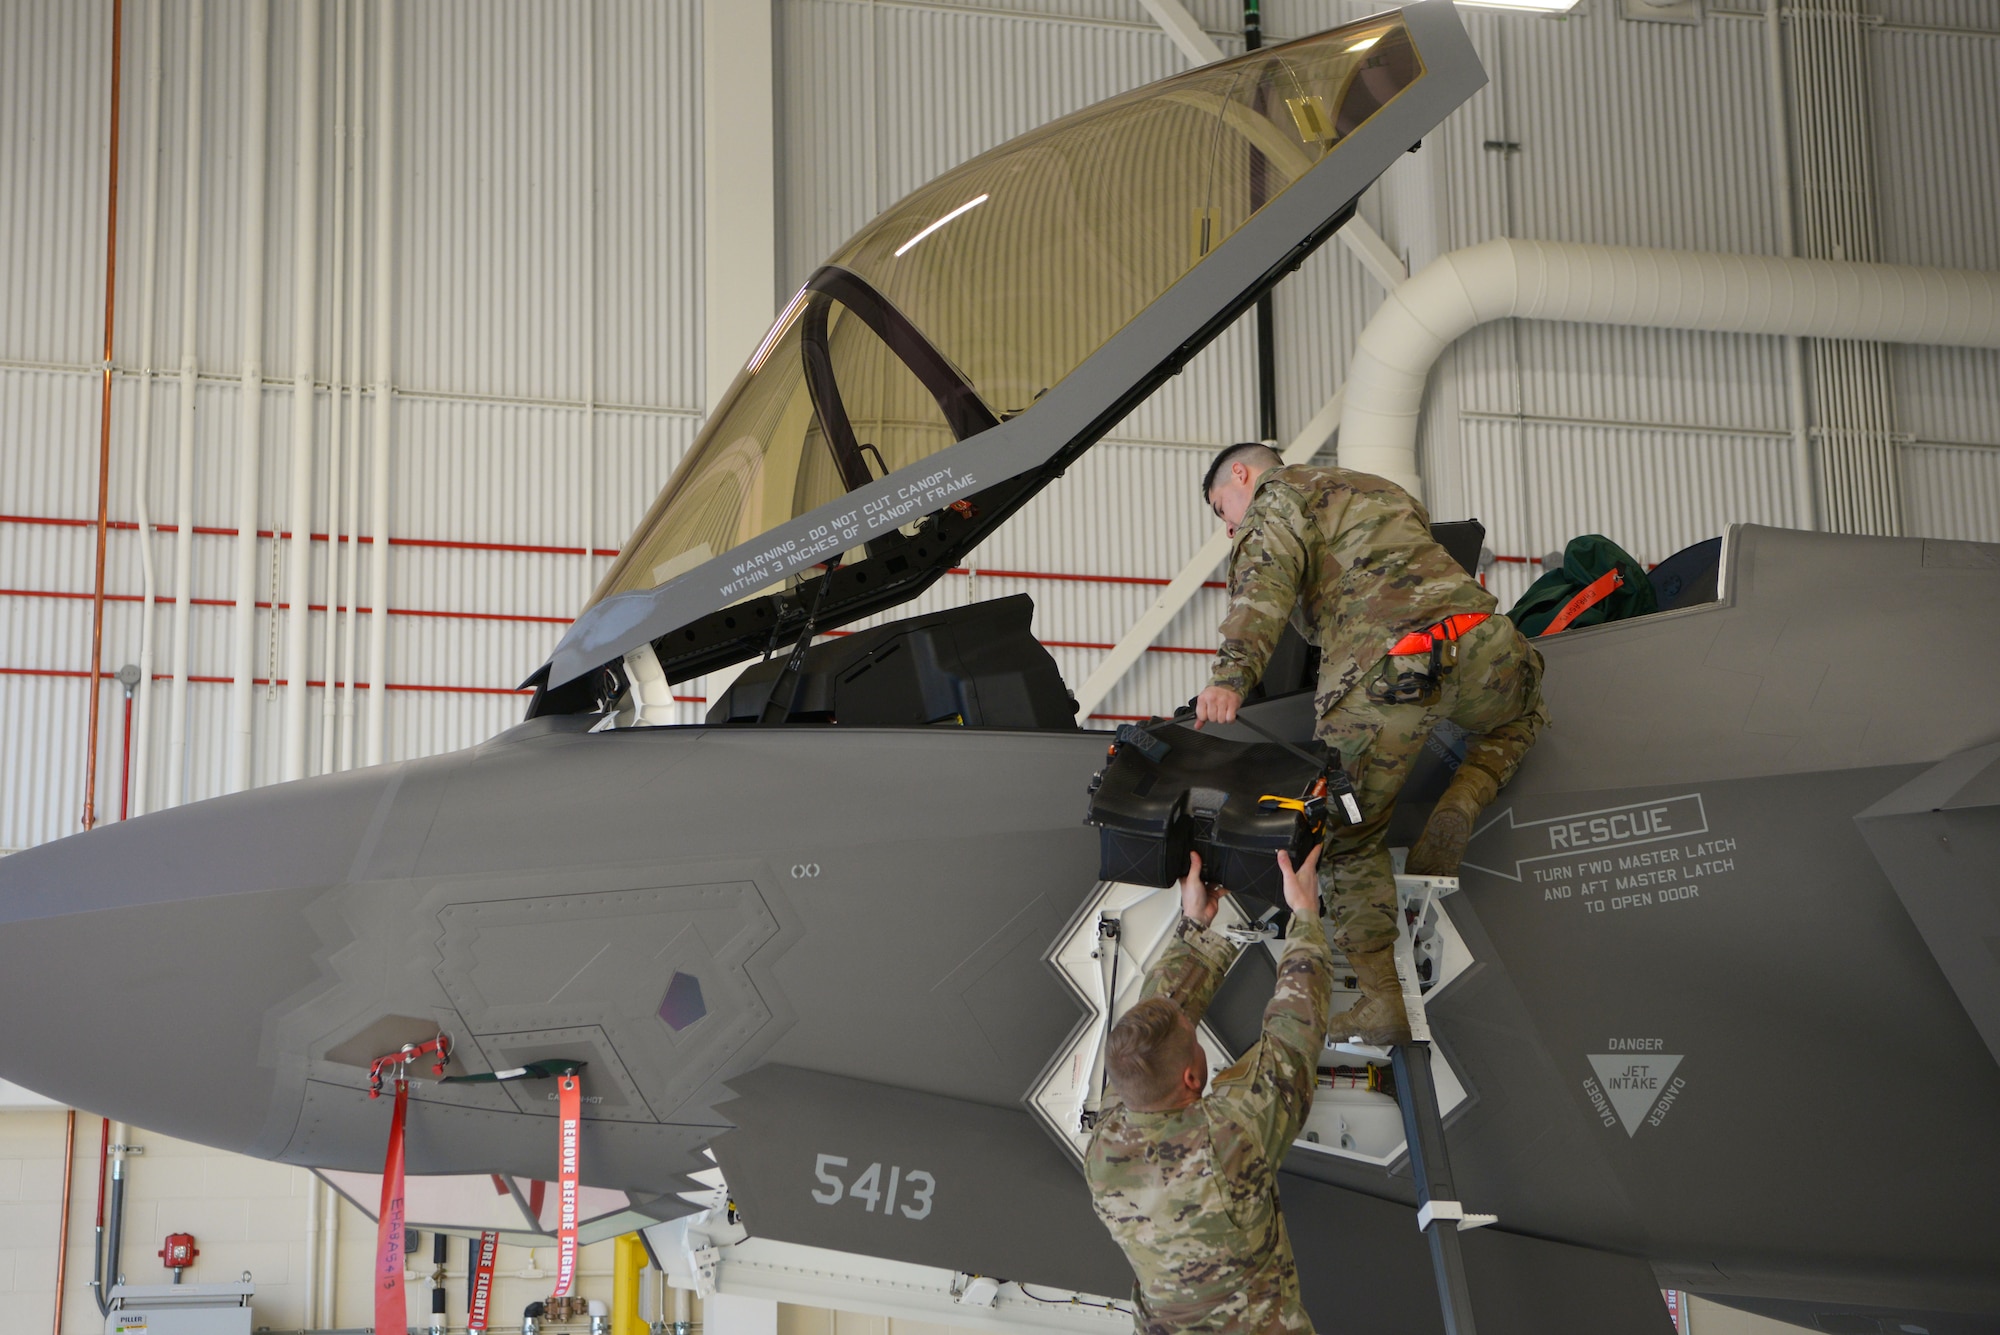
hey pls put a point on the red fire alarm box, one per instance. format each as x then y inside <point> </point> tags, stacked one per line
<point>179,1253</point>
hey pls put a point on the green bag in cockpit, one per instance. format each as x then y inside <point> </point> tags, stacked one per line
<point>1598,581</point>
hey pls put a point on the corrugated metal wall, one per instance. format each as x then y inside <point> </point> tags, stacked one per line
<point>547,317</point>
<point>1936,67</point>
<point>545,342</point>
<point>1598,129</point>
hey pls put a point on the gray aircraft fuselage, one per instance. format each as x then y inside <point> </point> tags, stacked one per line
<point>1702,1029</point>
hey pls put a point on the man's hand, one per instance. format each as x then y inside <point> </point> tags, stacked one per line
<point>1199,901</point>
<point>1302,885</point>
<point>1216,704</point>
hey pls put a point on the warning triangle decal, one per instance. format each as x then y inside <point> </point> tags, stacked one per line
<point>1633,1083</point>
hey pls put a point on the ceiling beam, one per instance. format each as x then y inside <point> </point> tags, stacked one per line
<point>1188,35</point>
<point>1384,265</point>
<point>1367,245</point>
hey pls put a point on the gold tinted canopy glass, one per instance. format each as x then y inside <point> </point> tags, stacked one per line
<point>979,292</point>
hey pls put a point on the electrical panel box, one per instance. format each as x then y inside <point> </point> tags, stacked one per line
<point>179,1309</point>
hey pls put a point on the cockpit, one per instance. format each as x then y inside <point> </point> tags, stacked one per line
<point>963,348</point>
<point>968,301</point>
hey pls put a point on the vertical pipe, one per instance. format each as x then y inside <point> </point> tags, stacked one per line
<point>1829,238</point>
<point>250,406</point>
<point>385,213</point>
<point>1875,375</point>
<point>1853,415</point>
<point>125,767</point>
<point>329,1266</point>
<point>114,1230</point>
<point>103,1166</point>
<point>1833,238</point>
<point>305,326</point>
<point>1851,386</point>
<point>1805,507</point>
<point>587,486</point>
<point>312,1276</point>
<point>62,1228</point>
<point>628,1258</point>
<point>1857,162</point>
<point>351,559</point>
<point>104,428</point>
<point>176,788</point>
<point>330,666</point>
<point>97,1285</point>
<point>140,792</point>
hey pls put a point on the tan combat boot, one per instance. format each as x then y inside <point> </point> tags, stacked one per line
<point>1378,1017</point>
<point>1442,845</point>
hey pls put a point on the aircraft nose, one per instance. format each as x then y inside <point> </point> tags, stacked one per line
<point>138,961</point>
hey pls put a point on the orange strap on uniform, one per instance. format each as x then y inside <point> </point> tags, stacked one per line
<point>1420,641</point>
<point>1593,593</point>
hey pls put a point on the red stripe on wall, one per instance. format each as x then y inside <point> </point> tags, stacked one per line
<point>210,532</point>
<point>162,599</point>
<point>265,681</point>
<point>549,550</point>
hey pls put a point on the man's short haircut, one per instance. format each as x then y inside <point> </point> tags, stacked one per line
<point>1254,453</point>
<point>1146,1052</point>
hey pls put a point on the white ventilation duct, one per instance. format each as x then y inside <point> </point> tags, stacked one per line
<point>1618,285</point>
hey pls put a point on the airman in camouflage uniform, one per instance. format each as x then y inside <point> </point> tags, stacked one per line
<point>1191,1193</point>
<point>1349,559</point>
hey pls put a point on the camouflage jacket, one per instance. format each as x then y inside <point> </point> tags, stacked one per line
<point>1348,557</point>
<point>1192,1195</point>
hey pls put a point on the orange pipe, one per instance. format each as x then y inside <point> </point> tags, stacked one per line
<point>62,1238</point>
<point>103,1167</point>
<point>104,430</point>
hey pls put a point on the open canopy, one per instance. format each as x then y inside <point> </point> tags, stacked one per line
<point>965,345</point>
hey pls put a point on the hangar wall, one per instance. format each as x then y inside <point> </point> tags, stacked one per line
<point>547,299</point>
<point>545,341</point>
<point>245,1215</point>
<point>546,316</point>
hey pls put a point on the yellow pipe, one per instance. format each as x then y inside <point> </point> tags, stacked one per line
<point>628,1259</point>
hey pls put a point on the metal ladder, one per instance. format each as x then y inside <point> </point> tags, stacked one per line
<point>1440,1215</point>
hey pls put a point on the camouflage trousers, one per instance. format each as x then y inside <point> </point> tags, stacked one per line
<point>1494,693</point>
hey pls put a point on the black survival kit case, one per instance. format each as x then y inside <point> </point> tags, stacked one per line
<point>1168,790</point>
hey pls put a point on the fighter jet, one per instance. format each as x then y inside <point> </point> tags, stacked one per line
<point>1716,1002</point>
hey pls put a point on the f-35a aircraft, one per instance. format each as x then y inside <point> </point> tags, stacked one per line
<point>1716,1007</point>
